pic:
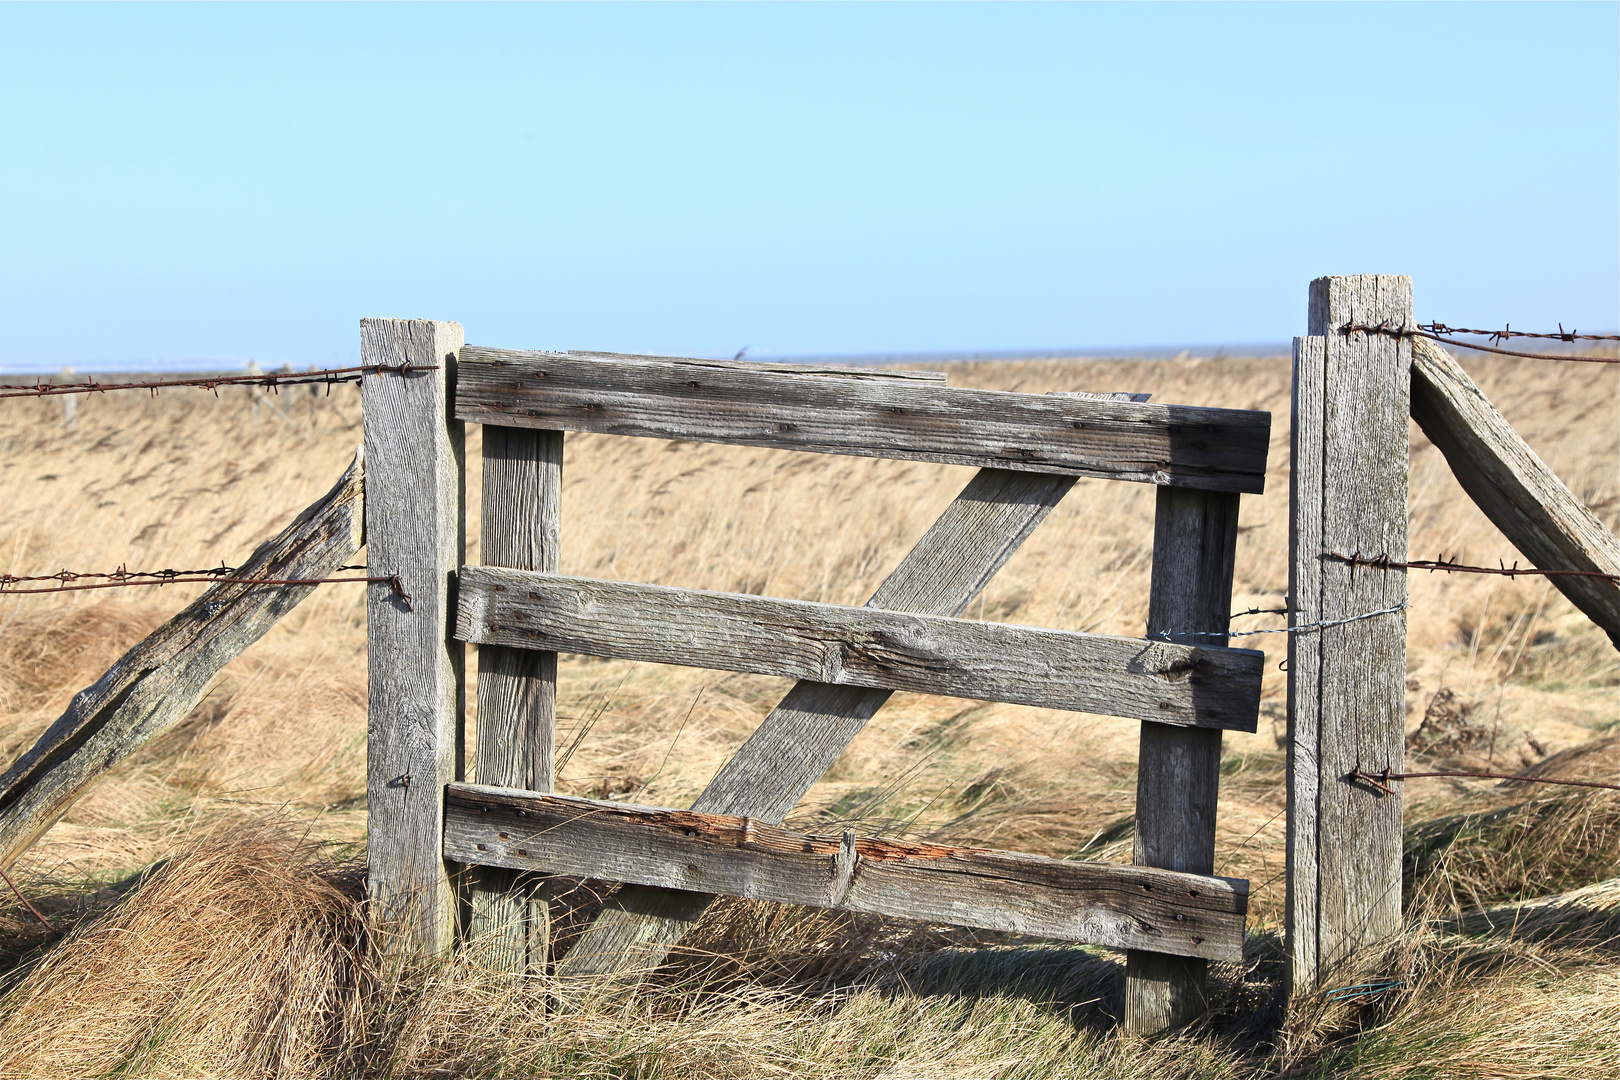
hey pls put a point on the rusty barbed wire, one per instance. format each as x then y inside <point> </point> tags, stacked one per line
<point>220,575</point>
<point>328,377</point>
<point>1507,332</point>
<point>1440,563</point>
<point>1386,330</point>
<point>1382,779</point>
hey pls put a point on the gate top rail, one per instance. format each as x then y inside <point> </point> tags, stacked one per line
<point>853,412</point>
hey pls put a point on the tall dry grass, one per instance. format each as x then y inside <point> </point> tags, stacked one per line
<point>247,955</point>
<point>1502,673</point>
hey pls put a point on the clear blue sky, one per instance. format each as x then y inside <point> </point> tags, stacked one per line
<point>212,183</point>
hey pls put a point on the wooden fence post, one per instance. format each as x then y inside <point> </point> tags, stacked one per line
<point>517,688</point>
<point>1346,683</point>
<point>253,393</point>
<point>70,403</point>
<point>1179,769</point>
<point>415,528</point>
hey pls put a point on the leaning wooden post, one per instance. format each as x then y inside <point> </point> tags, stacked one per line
<point>1346,683</point>
<point>414,528</point>
<point>517,688</point>
<point>1179,769</point>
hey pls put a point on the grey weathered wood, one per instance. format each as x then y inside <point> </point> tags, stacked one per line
<point>1217,449</point>
<point>831,371</point>
<point>517,688</point>
<point>1534,509</point>
<point>801,738</point>
<point>840,645</point>
<point>155,684</point>
<point>70,402</point>
<point>1115,395</point>
<point>414,528</point>
<point>1347,689</point>
<point>1179,770</point>
<point>1305,480</point>
<point>1100,903</point>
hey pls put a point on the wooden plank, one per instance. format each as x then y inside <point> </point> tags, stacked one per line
<point>1303,767</point>
<point>1535,510</point>
<point>801,738</point>
<point>415,528</point>
<point>1356,453</point>
<point>1099,903</point>
<point>157,683</point>
<point>517,688</point>
<point>1217,449</point>
<point>835,644</point>
<point>1179,770</point>
<point>830,371</point>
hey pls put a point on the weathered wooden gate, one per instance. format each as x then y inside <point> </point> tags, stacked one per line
<point>1169,911</point>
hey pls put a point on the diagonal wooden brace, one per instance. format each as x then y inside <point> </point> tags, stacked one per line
<point>803,736</point>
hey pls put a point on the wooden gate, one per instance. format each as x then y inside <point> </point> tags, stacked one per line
<point>1168,911</point>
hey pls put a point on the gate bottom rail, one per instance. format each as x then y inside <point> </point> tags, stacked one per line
<point>1120,907</point>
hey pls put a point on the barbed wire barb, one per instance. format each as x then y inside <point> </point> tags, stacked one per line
<point>271,381</point>
<point>1508,332</point>
<point>1441,564</point>
<point>220,575</point>
<point>1402,331</point>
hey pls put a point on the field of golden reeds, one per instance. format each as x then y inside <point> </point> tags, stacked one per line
<point>209,889</point>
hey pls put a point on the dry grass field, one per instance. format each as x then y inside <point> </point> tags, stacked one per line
<point>245,953</point>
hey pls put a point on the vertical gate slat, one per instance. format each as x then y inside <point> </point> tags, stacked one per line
<point>1178,770</point>
<point>1304,657</point>
<point>1347,691</point>
<point>415,529</point>
<point>517,688</point>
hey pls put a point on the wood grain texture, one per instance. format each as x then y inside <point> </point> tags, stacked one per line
<point>829,371</point>
<point>155,684</point>
<point>1304,663</point>
<point>1098,903</point>
<point>801,738</point>
<point>1218,449</point>
<point>415,528</point>
<point>1179,770</point>
<point>517,688</point>
<point>1535,510</point>
<point>850,646</point>
<point>1356,454</point>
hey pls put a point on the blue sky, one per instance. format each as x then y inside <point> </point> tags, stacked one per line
<point>210,183</point>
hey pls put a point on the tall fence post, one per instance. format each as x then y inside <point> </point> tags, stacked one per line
<point>415,528</point>
<point>1178,768</point>
<point>1346,683</point>
<point>517,688</point>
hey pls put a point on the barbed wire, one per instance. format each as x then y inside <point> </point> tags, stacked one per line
<point>1396,331</point>
<point>1167,635</point>
<point>1381,780</point>
<point>220,575</point>
<point>1506,332</point>
<point>1441,564</point>
<point>328,377</point>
